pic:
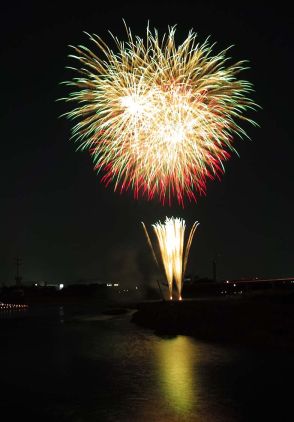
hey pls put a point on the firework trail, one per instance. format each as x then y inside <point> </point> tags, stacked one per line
<point>150,243</point>
<point>174,255</point>
<point>158,118</point>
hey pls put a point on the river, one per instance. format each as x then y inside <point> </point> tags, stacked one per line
<point>79,365</point>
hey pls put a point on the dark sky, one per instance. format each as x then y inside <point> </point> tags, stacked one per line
<point>67,226</point>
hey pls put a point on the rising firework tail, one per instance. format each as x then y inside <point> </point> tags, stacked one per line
<point>150,243</point>
<point>158,118</point>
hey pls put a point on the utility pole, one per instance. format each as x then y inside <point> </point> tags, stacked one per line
<point>18,278</point>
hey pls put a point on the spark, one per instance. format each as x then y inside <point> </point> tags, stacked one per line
<point>158,118</point>
<point>174,255</point>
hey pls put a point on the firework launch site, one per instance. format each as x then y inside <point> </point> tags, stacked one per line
<point>262,319</point>
<point>257,313</point>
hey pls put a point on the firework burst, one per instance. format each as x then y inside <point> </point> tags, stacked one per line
<point>174,253</point>
<point>158,118</point>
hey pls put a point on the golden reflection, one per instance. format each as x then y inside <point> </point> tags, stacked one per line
<point>176,374</point>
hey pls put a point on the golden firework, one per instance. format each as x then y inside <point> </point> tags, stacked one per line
<point>174,254</point>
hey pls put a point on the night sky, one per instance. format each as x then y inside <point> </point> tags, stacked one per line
<point>58,217</point>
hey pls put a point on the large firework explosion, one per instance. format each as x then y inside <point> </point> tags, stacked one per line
<point>173,251</point>
<point>158,118</point>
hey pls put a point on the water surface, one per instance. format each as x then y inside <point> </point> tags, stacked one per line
<point>78,365</point>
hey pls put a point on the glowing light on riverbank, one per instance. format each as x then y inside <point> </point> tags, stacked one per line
<point>174,255</point>
<point>11,306</point>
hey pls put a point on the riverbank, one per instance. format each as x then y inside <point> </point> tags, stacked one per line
<point>86,295</point>
<point>258,321</point>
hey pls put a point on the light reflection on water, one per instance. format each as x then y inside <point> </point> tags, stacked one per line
<point>68,365</point>
<point>177,377</point>
<point>12,313</point>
